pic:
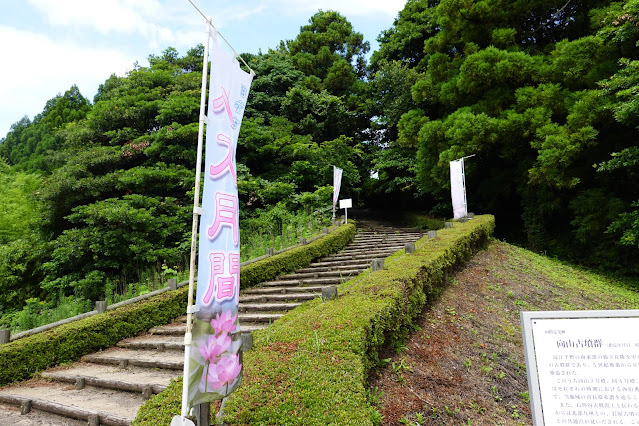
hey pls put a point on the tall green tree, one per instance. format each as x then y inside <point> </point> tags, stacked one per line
<point>516,84</point>
<point>29,144</point>
<point>22,249</point>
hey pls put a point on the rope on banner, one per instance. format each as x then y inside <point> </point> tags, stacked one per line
<point>210,23</point>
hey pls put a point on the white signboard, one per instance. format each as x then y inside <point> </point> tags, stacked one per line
<point>346,204</point>
<point>583,366</point>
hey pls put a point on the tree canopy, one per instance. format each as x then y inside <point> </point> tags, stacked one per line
<point>541,92</point>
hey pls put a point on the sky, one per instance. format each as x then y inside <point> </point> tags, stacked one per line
<point>47,46</point>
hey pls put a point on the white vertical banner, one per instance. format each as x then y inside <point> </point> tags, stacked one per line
<point>458,188</point>
<point>337,183</point>
<point>216,360</point>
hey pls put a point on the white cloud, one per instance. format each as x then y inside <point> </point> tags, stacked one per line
<point>348,8</point>
<point>157,22</point>
<point>42,68</point>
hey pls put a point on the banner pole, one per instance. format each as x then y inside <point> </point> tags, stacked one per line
<point>196,215</point>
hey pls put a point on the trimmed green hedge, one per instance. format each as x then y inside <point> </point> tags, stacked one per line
<point>310,367</point>
<point>23,358</point>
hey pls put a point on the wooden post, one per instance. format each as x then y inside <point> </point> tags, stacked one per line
<point>449,225</point>
<point>247,341</point>
<point>432,234</point>
<point>172,283</point>
<point>100,306</point>
<point>329,293</point>
<point>93,420</point>
<point>409,248</point>
<point>5,336</point>
<point>25,407</point>
<point>377,264</point>
<point>203,413</point>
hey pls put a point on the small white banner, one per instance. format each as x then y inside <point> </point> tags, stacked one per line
<point>337,183</point>
<point>458,189</point>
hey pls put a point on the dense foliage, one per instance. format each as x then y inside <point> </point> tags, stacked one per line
<point>103,192</point>
<point>542,92</point>
<point>539,91</point>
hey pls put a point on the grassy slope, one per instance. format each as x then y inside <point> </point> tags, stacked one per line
<point>466,364</point>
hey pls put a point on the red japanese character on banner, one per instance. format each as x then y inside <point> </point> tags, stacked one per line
<point>223,102</point>
<point>226,214</point>
<point>227,163</point>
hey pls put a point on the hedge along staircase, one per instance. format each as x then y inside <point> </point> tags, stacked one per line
<point>108,387</point>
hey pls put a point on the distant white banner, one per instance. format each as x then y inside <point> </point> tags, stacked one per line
<point>458,188</point>
<point>216,359</point>
<point>337,183</point>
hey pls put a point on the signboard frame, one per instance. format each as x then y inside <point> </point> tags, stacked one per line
<point>530,350</point>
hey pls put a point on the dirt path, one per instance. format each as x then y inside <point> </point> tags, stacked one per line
<point>465,364</point>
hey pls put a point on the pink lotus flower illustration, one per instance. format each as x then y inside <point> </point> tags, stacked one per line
<point>221,374</point>
<point>215,347</point>
<point>224,322</point>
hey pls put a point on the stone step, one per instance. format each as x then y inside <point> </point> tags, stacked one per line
<point>319,267</point>
<point>305,282</point>
<point>375,255</point>
<point>283,293</point>
<point>133,379</point>
<point>252,326</point>
<point>113,407</point>
<point>11,415</point>
<point>258,318</point>
<point>265,306</point>
<point>332,265</point>
<point>157,342</point>
<point>373,252</point>
<point>174,329</point>
<point>168,359</point>
<point>321,274</point>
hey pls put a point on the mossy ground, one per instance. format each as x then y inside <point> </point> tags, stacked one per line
<point>466,363</point>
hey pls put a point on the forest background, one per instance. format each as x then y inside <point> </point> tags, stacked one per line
<point>96,196</point>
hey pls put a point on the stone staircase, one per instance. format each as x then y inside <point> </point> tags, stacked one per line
<point>108,387</point>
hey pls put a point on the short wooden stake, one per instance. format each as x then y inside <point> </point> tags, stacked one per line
<point>94,420</point>
<point>5,336</point>
<point>80,383</point>
<point>329,292</point>
<point>147,392</point>
<point>247,341</point>
<point>377,264</point>
<point>203,413</point>
<point>409,248</point>
<point>270,251</point>
<point>303,241</point>
<point>124,363</point>
<point>172,283</point>
<point>449,225</point>
<point>432,234</point>
<point>25,407</point>
<point>100,306</point>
